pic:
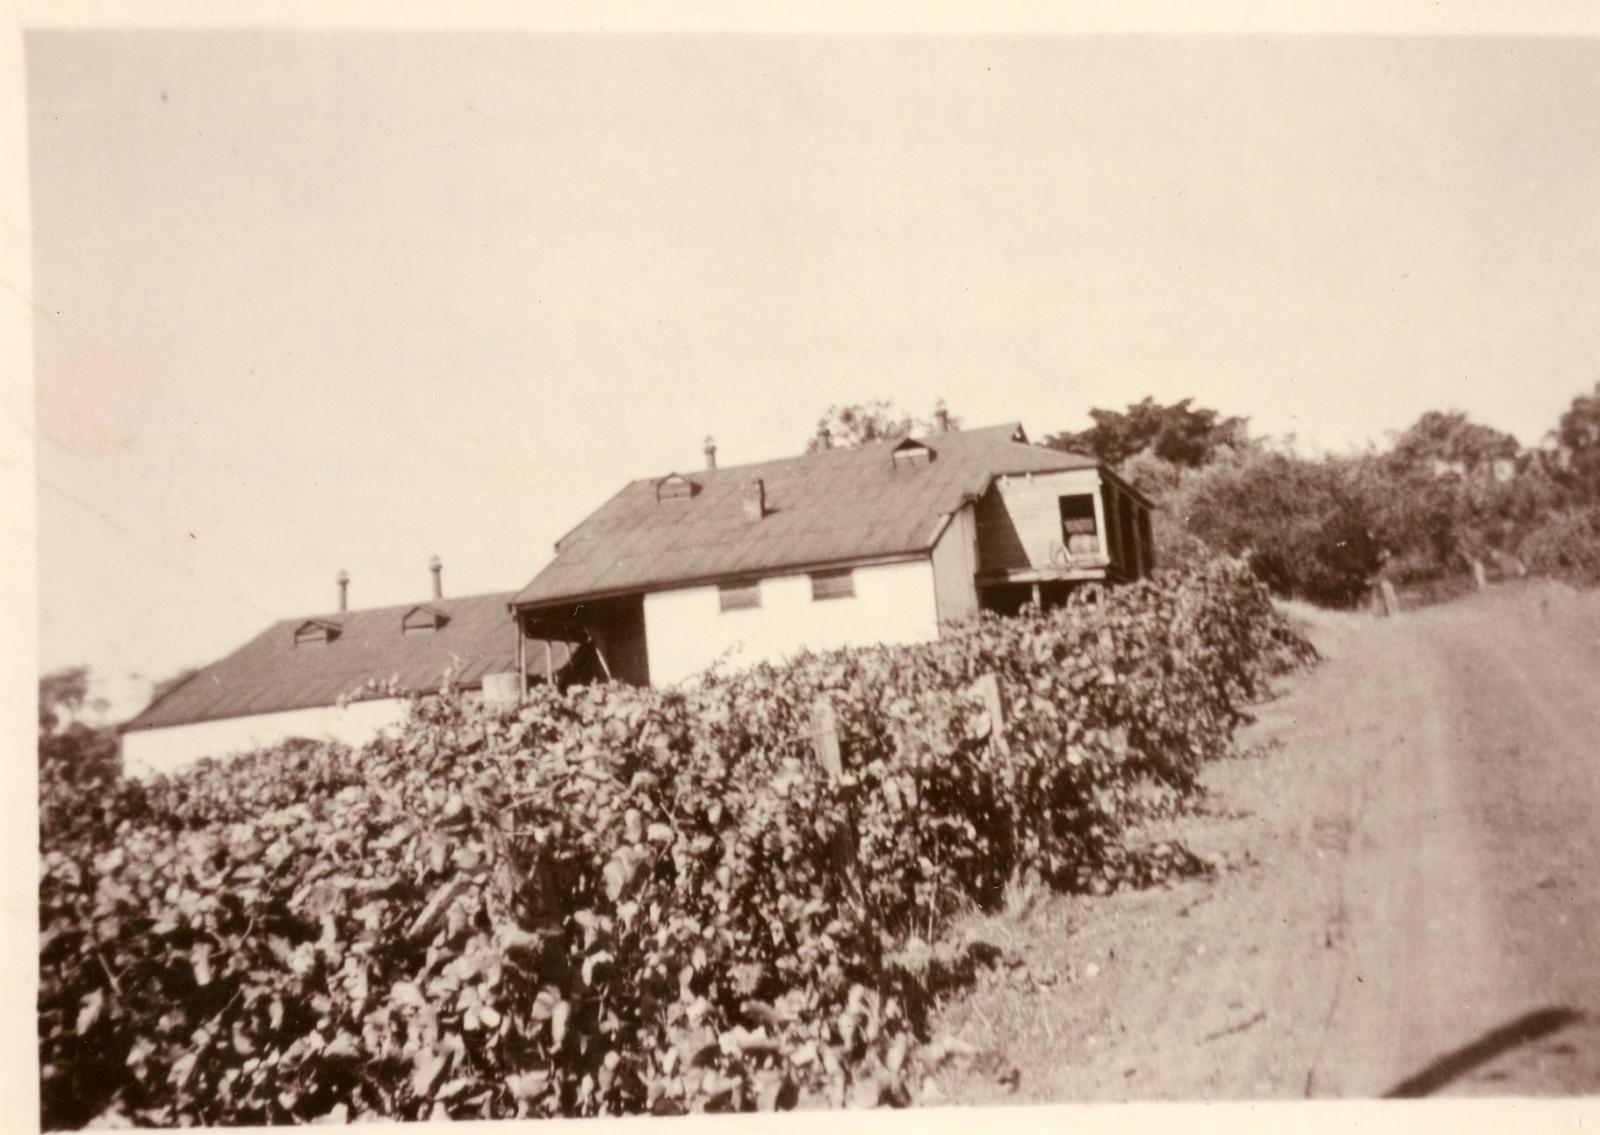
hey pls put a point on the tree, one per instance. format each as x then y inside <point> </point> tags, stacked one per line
<point>1178,434</point>
<point>63,698</point>
<point>1565,545</point>
<point>1578,436</point>
<point>1418,520</point>
<point>77,761</point>
<point>863,422</point>
<point>1449,439</point>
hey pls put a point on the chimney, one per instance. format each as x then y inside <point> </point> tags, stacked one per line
<point>755,500</point>
<point>344,590</point>
<point>436,566</point>
<point>942,416</point>
<point>711,452</point>
<point>824,438</point>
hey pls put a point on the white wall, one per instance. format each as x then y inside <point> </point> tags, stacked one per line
<point>686,630</point>
<point>148,751</point>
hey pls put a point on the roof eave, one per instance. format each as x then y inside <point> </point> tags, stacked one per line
<point>906,556</point>
<point>132,725</point>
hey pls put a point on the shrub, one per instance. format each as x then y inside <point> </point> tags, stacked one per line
<point>618,900</point>
<point>1565,545</point>
<point>1300,523</point>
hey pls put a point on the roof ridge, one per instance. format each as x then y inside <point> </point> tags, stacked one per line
<point>1009,427</point>
<point>403,606</point>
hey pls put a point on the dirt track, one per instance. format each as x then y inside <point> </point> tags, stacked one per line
<point>1410,900</point>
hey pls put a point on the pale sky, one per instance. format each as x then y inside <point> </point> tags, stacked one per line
<point>315,300</point>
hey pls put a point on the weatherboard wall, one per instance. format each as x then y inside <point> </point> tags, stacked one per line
<point>686,630</point>
<point>955,563</point>
<point>1019,520</point>
<point>146,752</point>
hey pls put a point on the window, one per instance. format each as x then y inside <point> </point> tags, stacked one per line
<point>1078,530</point>
<point>740,596</point>
<point>833,584</point>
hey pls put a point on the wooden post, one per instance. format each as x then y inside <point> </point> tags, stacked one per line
<point>825,737</point>
<point>1479,576</point>
<point>600,654</point>
<point>522,659</point>
<point>825,743</point>
<point>1391,601</point>
<point>1112,537</point>
<point>1108,655</point>
<point>987,688</point>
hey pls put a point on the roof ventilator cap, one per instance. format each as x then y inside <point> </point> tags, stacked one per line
<point>755,499</point>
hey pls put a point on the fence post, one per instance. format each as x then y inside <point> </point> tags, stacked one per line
<point>1391,600</point>
<point>1478,575</point>
<point>825,737</point>
<point>825,743</point>
<point>987,687</point>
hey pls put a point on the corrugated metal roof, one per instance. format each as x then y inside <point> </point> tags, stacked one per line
<point>270,673</point>
<point>837,505</point>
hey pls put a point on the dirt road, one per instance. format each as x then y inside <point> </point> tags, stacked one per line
<point>1410,896</point>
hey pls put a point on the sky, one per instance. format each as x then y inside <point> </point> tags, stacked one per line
<point>313,300</point>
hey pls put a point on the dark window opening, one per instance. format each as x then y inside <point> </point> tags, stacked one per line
<point>739,596</point>
<point>833,584</point>
<point>1079,532</point>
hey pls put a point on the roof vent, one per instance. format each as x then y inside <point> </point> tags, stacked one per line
<point>344,590</point>
<point>317,632</point>
<point>755,499</point>
<point>909,453</point>
<point>422,618</point>
<point>436,566</point>
<point>711,452</point>
<point>675,486</point>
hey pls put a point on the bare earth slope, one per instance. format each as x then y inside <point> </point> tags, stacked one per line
<point>1410,903</point>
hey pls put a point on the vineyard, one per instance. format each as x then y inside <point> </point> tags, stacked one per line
<point>621,900</point>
